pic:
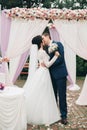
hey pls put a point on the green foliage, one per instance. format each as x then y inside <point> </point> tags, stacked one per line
<point>72,4</point>
<point>81,66</point>
<point>10,3</point>
<point>47,4</point>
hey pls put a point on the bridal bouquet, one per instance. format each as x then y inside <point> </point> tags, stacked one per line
<point>53,47</point>
<point>2,86</point>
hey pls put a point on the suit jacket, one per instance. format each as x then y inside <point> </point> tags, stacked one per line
<point>58,69</point>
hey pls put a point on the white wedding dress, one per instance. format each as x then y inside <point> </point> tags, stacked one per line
<point>40,100</point>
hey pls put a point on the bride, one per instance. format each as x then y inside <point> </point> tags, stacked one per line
<point>40,100</point>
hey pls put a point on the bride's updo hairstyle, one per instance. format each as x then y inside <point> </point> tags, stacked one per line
<point>37,40</point>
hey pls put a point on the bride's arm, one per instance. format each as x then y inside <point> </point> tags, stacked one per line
<point>47,62</point>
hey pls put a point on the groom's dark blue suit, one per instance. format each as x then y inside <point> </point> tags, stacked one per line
<point>58,73</point>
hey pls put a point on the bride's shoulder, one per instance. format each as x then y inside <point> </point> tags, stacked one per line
<point>41,51</point>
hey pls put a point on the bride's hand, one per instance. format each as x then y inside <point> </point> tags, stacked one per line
<point>43,65</point>
<point>57,53</point>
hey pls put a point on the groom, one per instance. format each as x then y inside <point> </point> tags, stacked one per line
<point>58,74</point>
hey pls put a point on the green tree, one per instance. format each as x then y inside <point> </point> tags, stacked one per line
<point>70,4</point>
<point>10,3</point>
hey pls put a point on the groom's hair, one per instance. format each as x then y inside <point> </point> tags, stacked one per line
<point>37,40</point>
<point>46,34</point>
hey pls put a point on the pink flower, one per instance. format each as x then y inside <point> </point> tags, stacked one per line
<point>2,86</point>
<point>43,13</point>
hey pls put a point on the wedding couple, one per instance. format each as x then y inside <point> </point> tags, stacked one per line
<point>45,92</point>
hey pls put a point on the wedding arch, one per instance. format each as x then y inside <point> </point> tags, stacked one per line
<point>19,25</point>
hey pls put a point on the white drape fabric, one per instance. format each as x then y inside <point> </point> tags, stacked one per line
<point>67,31</point>
<point>14,62</point>
<point>8,81</point>
<point>21,33</point>
<point>2,77</point>
<point>82,99</point>
<point>82,39</point>
<point>12,109</point>
<point>70,58</point>
<point>73,34</point>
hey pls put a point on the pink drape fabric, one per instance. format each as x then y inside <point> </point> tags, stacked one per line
<point>54,34</point>
<point>21,64</point>
<point>5,31</point>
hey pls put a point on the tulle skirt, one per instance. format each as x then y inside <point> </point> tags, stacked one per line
<point>40,100</point>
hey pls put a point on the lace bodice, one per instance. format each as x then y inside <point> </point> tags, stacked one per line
<point>43,57</point>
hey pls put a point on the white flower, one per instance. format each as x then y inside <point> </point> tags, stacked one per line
<point>53,47</point>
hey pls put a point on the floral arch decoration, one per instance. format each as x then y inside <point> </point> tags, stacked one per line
<point>47,14</point>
